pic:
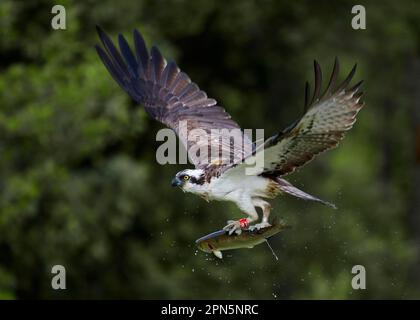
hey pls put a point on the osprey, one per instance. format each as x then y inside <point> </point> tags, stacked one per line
<point>169,96</point>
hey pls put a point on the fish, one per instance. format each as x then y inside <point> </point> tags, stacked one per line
<point>220,240</point>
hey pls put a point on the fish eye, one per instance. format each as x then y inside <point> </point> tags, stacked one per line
<point>186,177</point>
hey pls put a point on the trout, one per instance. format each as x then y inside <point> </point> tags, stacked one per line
<point>219,241</point>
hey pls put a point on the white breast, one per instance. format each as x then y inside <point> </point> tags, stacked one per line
<point>226,188</point>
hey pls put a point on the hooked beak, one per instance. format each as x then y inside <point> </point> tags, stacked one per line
<point>176,182</point>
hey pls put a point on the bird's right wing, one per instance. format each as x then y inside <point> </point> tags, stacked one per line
<point>170,97</point>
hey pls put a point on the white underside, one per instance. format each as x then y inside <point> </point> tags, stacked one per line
<point>245,191</point>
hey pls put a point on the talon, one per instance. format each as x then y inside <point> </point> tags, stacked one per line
<point>259,226</point>
<point>237,231</point>
<point>236,226</point>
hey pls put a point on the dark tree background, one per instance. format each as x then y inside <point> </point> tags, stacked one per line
<point>80,186</point>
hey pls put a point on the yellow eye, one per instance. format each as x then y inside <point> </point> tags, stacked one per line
<point>186,177</point>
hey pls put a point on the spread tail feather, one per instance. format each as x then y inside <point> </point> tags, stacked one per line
<point>290,189</point>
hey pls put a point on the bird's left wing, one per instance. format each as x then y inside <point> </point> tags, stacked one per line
<point>326,119</point>
<point>170,97</point>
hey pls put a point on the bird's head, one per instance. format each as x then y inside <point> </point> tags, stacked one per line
<point>189,180</point>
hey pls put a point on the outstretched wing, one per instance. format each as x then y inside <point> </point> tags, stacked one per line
<point>325,120</point>
<point>168,95</point>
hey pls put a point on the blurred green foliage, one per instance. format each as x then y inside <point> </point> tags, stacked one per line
<point>79,184</point>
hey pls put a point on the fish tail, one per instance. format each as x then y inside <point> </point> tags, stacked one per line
<point>276,226</point>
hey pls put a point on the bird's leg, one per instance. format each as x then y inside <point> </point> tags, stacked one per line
<point>266,209</point>
<point>266,212</point>
<point>236,226</point>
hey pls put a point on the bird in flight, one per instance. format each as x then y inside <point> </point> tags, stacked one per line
<point>169,96</point>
